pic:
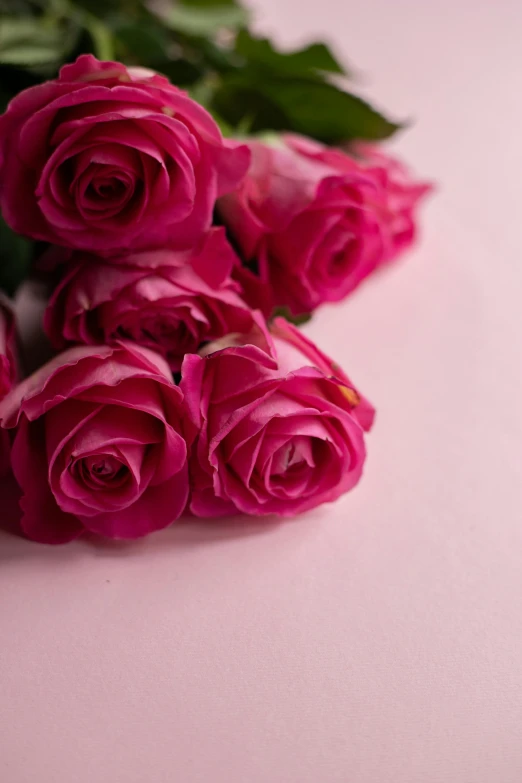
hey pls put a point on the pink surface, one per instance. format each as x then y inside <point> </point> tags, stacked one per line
<point>377,640</point>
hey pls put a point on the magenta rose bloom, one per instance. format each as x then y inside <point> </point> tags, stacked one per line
<point>311,222</point>
<point>99,444</point>
<point>106,158</point>
<point>8,371</point>
<point>170,301</point>
<point>280,428</point>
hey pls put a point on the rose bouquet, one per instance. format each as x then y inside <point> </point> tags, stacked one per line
<point>172,228</point>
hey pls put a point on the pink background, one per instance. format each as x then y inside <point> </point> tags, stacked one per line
<point>376,641</point>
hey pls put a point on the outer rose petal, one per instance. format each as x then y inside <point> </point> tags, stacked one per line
<point>155,510</point>
<point>294,349</point>
<point>231,169</point>
<point>59,379</point>
<point>42,519</point>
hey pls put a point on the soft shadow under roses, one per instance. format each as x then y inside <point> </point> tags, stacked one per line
<point>185,534</point>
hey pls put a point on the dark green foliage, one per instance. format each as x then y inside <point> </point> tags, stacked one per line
<point>204,46</point>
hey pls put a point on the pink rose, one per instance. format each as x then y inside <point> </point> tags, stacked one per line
<point>312,222</point>
<point>99,444</point>
<point>170,301</point>
<point>280,428</point>
<point>7,371</point>
<point>106,158</point>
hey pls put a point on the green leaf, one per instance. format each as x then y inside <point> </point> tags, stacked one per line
<point>13,80</point>
<point>28,55</point>
<point>314,58</point>
<point>324,111</point>
<point>297,320</point>
<point>200,20</point>
<point>26,41</point>
<point>99,32</point>
<point>203,91</point>
<point>313,108</point>
<point>16,258</point>
<point>140,42</point>
<point>15,7</point>
<point>241,103</point>
<point>97,7</point>
<point>214,57</point>
<point>318,57</point>
<point>5,97</point>
<point>181,72</point>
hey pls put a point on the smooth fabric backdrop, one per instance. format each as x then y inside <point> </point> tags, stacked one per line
<point>376,640</point>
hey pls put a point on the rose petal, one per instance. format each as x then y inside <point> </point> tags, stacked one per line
<point>42,519</point>
<point>157,508</point>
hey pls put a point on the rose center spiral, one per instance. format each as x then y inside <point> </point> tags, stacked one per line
<point>102,469</point>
